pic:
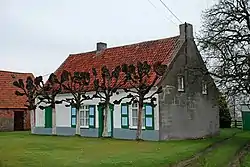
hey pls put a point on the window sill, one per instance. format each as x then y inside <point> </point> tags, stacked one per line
<point>135,128</point>
<point>84,127</point>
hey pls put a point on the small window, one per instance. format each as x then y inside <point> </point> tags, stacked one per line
<point>204,88</point>
<point>181,83</point>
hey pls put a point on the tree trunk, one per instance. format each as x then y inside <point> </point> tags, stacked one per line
<point>32,121</point>
<point>77,121</point>
<point>53,121</point>
<point>139,124</point>
<point>105,126</point>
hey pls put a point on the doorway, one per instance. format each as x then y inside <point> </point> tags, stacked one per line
<point>109,122</point>
<point>18,120</point>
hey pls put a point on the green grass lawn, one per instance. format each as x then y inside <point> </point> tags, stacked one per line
<point>19,149</point>
<point>246,162</point>
<point>222,155</point>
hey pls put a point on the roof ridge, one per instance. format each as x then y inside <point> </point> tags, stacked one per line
<point>127,45</point>
<point>16,72</point>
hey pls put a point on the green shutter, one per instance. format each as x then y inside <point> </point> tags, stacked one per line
<point>149,117</point>
<point>73,117</point>
<point>48,117</point>
<point>124,116</point>
<point>92,116</point>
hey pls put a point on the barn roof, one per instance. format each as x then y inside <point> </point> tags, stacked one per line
<point>8,99</point>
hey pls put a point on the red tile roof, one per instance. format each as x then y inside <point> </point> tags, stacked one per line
<point>8,99</point>
<point>162,50</point>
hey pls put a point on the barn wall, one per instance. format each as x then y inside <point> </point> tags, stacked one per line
<point>7,119</point>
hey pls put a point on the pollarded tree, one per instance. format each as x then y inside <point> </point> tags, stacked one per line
<point>225,43</point>
<point>141,79</point>
<point>105,86</point>
<point>29,90</point>
<point>47,95</point>
<point>77,85</point>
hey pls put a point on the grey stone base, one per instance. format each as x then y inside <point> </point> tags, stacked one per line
<point>66,131</point>
<point>42,131</point>
<point>152,135</point>
<point>129,134</point>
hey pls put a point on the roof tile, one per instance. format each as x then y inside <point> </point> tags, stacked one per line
<point>8,99</point>
<point>151,51</point>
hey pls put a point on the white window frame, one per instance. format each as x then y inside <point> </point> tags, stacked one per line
<point>180,83</point>
<point>85,117</point>
<point>131,108</point>
<point>204,89</point>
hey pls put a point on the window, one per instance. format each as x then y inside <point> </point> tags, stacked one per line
<point>84,116</point>
<point>204,88</point>
<point>124,116</point>
<point>134,116</point>
<point>180,83</point>
<point>87,116</point>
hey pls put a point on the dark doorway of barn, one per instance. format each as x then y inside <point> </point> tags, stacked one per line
<point>18,120</point>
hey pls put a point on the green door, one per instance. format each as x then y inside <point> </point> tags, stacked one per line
<point>246,120</point>
<point>101,120</point>
<point>48,117</point>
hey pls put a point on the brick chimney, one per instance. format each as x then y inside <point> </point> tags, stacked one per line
<point>100,46</point>
<point>186,31</point>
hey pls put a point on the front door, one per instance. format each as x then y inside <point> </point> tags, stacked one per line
<point>18,120</point>
<point>109,122</point>
<point>48,117</point>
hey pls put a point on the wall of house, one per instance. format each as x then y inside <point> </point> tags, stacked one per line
<point>188,114</point>
<point>7,119</point>
<point>63,121</point>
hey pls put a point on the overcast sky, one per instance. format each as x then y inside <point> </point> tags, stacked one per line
<point>37,36</point>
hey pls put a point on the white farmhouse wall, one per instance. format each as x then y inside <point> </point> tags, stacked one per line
<point>63,113</point>
<point>40,117</point>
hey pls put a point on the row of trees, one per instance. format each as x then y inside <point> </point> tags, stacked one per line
<point>139,78</point>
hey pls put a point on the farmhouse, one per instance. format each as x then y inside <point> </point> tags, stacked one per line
<point>13,114</point>
<point>187,107</point>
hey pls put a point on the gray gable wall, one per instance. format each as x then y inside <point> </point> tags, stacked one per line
<point>188,114</point>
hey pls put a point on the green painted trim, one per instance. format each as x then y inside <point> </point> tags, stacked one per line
<point>48,117</point>
<point>92,116</point>
<point>72,116</point>
<point>149,116</point>
<point>125,115</point>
